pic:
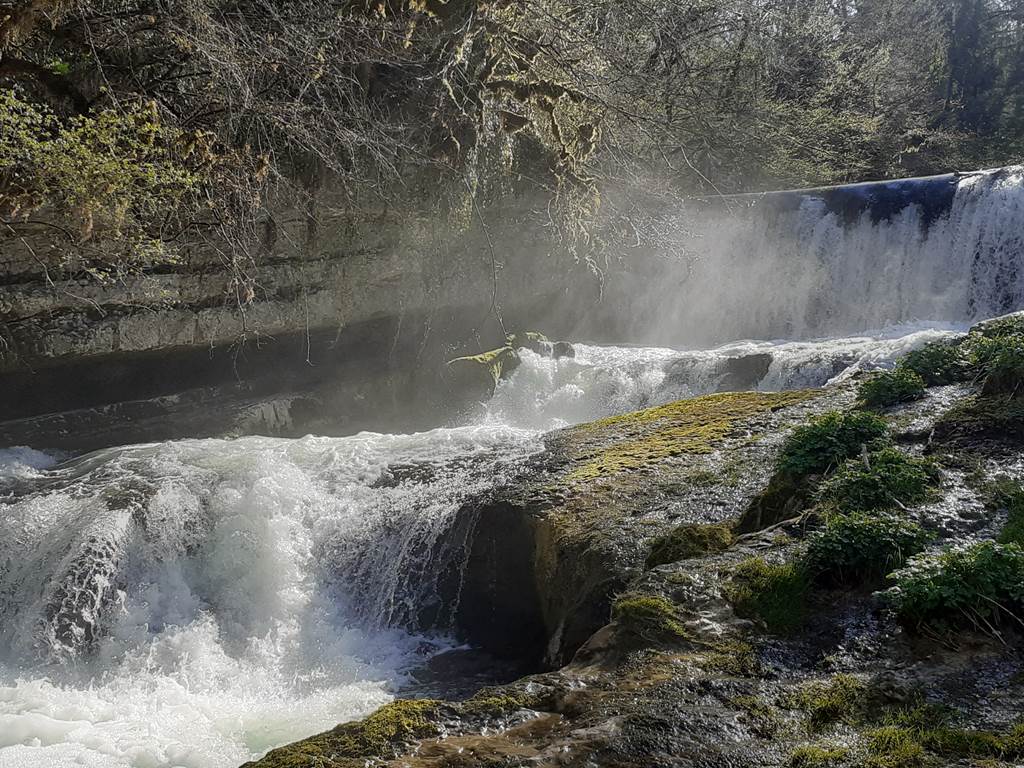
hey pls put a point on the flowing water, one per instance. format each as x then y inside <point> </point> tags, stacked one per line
<point>194,603</point>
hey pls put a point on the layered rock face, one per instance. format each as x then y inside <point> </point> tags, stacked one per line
<point>352,319</point>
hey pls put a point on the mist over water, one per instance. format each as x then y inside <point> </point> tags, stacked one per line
<point>804,266</point>
<point>194,603</point>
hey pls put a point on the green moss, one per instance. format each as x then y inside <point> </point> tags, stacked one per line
<point>649,618</point>
<point>861,548</point>
<point>827,441</point>
<point>735,658</point>
<point>842,699</point>
<point>885,478</point>
<point>762,718</point>
<point>979,418</point>
<point>350,744</point>
<point>891,388</point>
<point>814,756</point>
<point>979,586</point>
<point>485,704</point>
<point>687,541</point>
<point>774,593</point>
<point>497,363</point>
<point>892,747</point>
<point>937,363</point>
<point>687,426</point>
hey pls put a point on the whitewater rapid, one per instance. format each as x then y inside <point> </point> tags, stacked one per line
<point>194,603</point>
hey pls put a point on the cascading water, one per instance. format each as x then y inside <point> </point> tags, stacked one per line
<point>836,262</point>
<point>195,603</point>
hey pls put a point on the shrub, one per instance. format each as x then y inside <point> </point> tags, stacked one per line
<point>890,388</point>
<point>937,363</point>
<point>648,617</point>
<point>861,548</point>
<point>1000,363</point>
<point>774,593</point>
<point>827,441</point>
<point>689,540</point>
<point>980,585</point>
<point>885,478</point>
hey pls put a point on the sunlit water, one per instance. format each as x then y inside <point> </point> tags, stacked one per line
<point>194,603</point>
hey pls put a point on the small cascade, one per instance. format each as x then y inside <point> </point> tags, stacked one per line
<point>195,603</point>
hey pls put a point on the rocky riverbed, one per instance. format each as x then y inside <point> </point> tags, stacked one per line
<point>708,583</point>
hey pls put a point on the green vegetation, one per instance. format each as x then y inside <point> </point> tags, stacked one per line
<point>890,747</point>
<point>999,361</point>
<point>649,618</point>
<point>884,478</point>
<point>827,441</point>
<point>901,385</point>
<point>1010,325</point>
<point>734,657</point>
<point>487,704</point>
<point>1006,494</point>
<point>861,548</point>
<point>117,176</point>
<point>774,593</point>
<point>998,418</point>
<point>376,736</point>
<point>814,756</point>
<point>979,586</point>
<point>937,363</point>
<point>689,540</point>
<point>841,699</point>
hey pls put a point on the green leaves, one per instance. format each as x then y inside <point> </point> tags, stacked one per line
<point>981,585</point>
<point>891,387</point>
<point>825,442</point>
<point>882,479</point>
<point>861,548</point>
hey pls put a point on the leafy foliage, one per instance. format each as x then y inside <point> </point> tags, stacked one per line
<point>827,441</point>
<point>937,363</point>
<point>901,385</point>
<point>861,548</point>
<point>117,175</point>
<point>1007,494</point>
<point>884,478</point>
<point>981,585</point>
<point>1000,361</point>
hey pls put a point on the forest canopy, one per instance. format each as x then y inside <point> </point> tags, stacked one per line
<point>139,124</point>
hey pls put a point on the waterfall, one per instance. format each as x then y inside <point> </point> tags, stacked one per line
<point>195,603</point>
<point>832,262</point>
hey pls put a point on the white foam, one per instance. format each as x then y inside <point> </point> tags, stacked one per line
<point>232,595</point>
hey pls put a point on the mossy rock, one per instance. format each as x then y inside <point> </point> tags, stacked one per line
<point>353,745</point>
<point>649,619</point>
<point>687,541</point>
<point>774,593</point>
<point>982,420</point>
<point>691,426</point>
